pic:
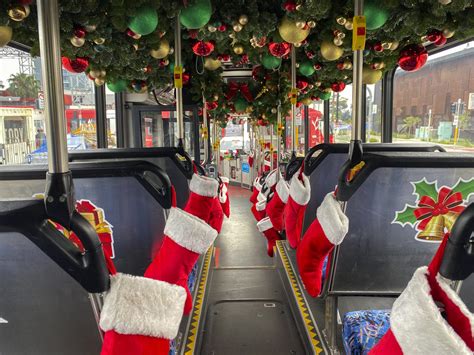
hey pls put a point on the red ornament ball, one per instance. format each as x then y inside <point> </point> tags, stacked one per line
<point>203,49</point>
<point>186,78</point>
<point>222,28</point>
<point>318,66</point>
<point>245,59</point>
<point>78,65</point>
<point>338,87</point>
<point>279,50</point>
<point>378,47</point>
<point>289,5</point>
<point>193,34</point>
<point>301,84</point>
<point>310,54</point>
<point>261,122</point>
<point>441,41</point>
<point>412,57</point>
<point>211,106</point>
<point>340,66</point>
<point>79,32</point>
<point>434,35</point>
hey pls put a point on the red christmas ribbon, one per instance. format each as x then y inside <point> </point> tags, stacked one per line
<point>243,88</point>
<point>429,208</point>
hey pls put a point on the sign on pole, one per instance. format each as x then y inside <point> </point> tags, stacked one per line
<point>470,105</point>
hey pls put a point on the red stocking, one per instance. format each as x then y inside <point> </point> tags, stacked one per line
<point>224,196</point>
<point>327,230</point>
<point>265,226</point>
<point>300,193</point>
<point>201,199</point>
<point>186,237</point>
<point>277,204</point>
<point>258,210</point>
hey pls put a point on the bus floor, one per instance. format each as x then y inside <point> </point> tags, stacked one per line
<point>246,308</point>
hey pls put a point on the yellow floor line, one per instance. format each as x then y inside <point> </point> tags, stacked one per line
<point>300,300</point>
<point>198,305</point>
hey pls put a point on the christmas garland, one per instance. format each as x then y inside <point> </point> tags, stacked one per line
<point>129,44</point>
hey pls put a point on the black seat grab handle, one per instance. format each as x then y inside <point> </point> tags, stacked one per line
<point>458,259</point>
<point>28,217</point>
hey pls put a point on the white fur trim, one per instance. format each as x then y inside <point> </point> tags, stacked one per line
<point>257,184</point>
<point>271,180</point>
<point>261,196</point>
<point>300,191</point>
<point>333,220</point>
<point>265,224</point>
<point>261,205</point>
<point>283,190</point>
<point>189,231</point>
<point>223,194</point>
<point>143,306</point>
<point>204,186</point>
<point>224,179</point>
<point>418,325</point>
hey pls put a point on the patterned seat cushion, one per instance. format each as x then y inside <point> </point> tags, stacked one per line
<point>361,330</point>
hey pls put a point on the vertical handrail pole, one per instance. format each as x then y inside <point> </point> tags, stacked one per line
<point>293,103</point>
<point>279,131</point>
<point>358,62</point>
<point>179,89</point>
<point>205,129</point>
<point>271,147</point>
<point>51,67</point>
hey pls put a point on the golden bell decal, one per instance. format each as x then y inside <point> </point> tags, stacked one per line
<point>434,230</point>
<point>449,219</point>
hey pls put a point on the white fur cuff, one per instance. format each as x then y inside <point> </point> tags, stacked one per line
<point>271,179</point>
<point>265,224</point>
<point>189,231</point>
<point>257,184</point>
<point>418,325</point>
<point>143,306</point>
<point>223,194</point>
<point>261,205</point>
<point>283,190</point>
<point>224,179</point>
<point>204,186</point>
<point>300,191</point>
<point>261,196</point>
<point>334,222</point>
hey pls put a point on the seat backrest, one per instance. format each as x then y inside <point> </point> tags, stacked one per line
<point>177,166</point>
<point>46,310</point>
<point>386,243</point>
<point>323,164</point>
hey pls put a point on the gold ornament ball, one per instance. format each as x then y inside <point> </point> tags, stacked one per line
<point>448,33</point>
<point>297,45</point>
<point>394,45</point>
<point>212,29</point>
<point>243,20</point>
<point>290,32</point>
<point>337,41</point>
<point>329,90</point>
<point>238,49</point>
<point>99,81</point>
<point>424,39</point>
<point>90,28</point>
<point>232,35</point>
<point>330,51</point>
<point>349,26</point>
<point>341,20</point>
<point>212,64</point>
<point>347,65</point>
<point>306,101</point>
<point>135,46</point>
<point>166,62</point>
<point>137,36</point>
<point>102,73</point>
<point>312,24</point>
<point>318,84</point>
<point>444,2</point>
<point>386,45</point>
<point>94,73</point>
<point>370,76</point>
<point>19,12</point>
<point>300,24</point>
<point>341,35</point>
<point>237,27</point>
<point>162,51</point>
<point>5,35</point>
<point>99,40</point>
<point>77,42</point>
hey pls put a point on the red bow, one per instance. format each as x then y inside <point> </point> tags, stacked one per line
<point>429,208</point>
<point>234,88</point>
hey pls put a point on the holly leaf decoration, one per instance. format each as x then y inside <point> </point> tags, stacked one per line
<point>466,188</point>
<point>425,188</point>
<point>406,216</point>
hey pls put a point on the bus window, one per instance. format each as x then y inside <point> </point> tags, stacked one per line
<point>436,103</point>
<point>316,123</point>
<point>373,118</point>
<point>299,132</point>
<point>111,119</point>
<point>340,105</point>
<point>159,129</point>
<point>22,122</point>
